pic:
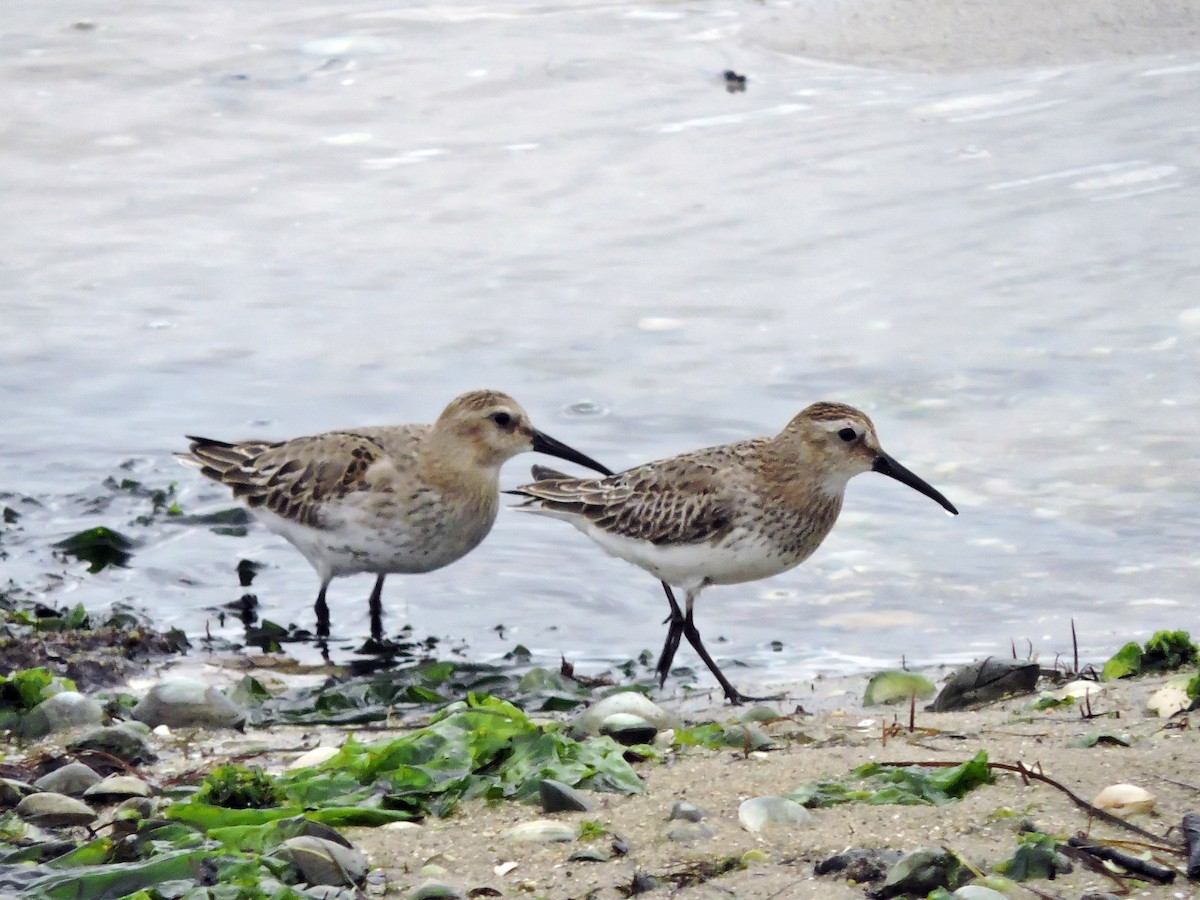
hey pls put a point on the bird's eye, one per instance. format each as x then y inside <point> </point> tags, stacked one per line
<point>502,419</point>
<point>847,434</point>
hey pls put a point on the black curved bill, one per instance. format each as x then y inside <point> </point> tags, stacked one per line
<point>885,465</point>
<point>543,443</point>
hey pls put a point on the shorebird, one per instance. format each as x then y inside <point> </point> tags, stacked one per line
<point>402,498</point>
<point>724,515</point>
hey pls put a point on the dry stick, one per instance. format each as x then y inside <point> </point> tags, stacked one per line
<point>1028,774</point>
<point>1090,862</point>
<point>1075,645</point>
<point>1135,866</point>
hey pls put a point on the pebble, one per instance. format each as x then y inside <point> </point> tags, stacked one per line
<point>686,812</point>
<point>62,712</point>
<point>757,813</point>
<point>559,797</point>
<point>540,831</point>
<point>437,890</point>
<point>188,703</point>
<point>324,862</point>
<point>50,810</point>
<point>73,779</point>
<point>628,702</point>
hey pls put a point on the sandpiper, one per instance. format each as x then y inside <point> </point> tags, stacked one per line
<point>727,514</point>
<point>403,498</point>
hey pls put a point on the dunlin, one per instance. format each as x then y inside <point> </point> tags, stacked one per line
<point>403,498</point>
<point>727,514</point>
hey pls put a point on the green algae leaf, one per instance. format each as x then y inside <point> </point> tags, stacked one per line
<point>1036,856</point>
<point>120,879</point>
<point>877,784</point>
<point>895,686</point>
<point>1166,651</point>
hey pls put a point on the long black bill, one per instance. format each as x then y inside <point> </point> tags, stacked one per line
<point>543,443</point>
<point>885,465</point>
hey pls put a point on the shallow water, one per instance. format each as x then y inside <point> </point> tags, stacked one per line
<point>304,217</point>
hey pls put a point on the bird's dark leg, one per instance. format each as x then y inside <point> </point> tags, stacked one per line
<point>734,696</point>
<point>674,633</point>
<point>322,611</point>
<point>377,609</point>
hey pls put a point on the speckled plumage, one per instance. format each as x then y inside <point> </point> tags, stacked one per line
<point>727,514</point>
<point>403,498</point>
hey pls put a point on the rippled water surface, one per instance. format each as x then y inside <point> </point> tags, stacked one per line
<point>300,217</point>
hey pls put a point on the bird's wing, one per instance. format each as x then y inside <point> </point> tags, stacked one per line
<point>681,500</point>
<point>291,478</point>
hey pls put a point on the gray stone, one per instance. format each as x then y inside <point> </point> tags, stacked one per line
<point>62,712</point>
<point>324,862</point>
<point>49,810</point>
<point>559,797</point>
<point>689,832</point>
<point>118,787</point>
<point>123,743</point>
<point>628,729</point>
<point>134,808</point>
<point>73,779</point>
<point>13,791</point>
<point>187,703</point>
<point>757,813</point>
<point>540,831</point>
<point>686,812</point>
<point>628,702</point>
<point>436,890</point>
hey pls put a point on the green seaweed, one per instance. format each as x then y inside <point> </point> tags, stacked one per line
<point>1166,651</point>
<point>877,784</point>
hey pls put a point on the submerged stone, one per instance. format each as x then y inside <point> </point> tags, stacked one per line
<point>73,779</point>
<point>49,810</point>
<point>187,703</point>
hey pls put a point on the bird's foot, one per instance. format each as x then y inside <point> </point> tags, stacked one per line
<point>737,698</point>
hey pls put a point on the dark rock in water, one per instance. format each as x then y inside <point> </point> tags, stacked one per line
<point>559,797</point>
<point>187,703</point>
<point>117,740</point>
<point>920,872</point>
<point>734,83</point>
<point>61,712</point>
<point>860,866</point>
<point>72,779</point>
<point>986,682</point>
<point>55,811</point>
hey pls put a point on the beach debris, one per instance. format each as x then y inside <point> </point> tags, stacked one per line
<point>895,686</point>
<point>589,854</point>
<point>1134,865</point>
<point>559,797</point>
<point>187,703</point>
<point>686,812</point>
<point>881,784</point>
<point>49,810</point>
<point>1166,651</point>
<point>72,779</point>
<point>1036,856</point>
<point>124,742</point>
<point>1098,738</point>
<point>920,872</point>
<point>1171,698</point>
<point>61,712</point>
<point>758,813</point>
<point>862,866</point>
<point>627,703</point>
<point>325,862</point>
<point>540,831</point>
<point>734,83</point>
<point>1124,800</point>
<point>1191,840</point>
<point>986,682</point>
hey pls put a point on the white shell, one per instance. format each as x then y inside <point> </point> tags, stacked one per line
<point>313,757</point>
<point>1170,698</point>
<point>1124,800</point>
<point>757,813</point>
